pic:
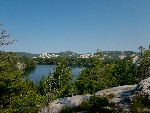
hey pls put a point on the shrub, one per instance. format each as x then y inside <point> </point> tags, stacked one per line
<point>110,96</point>
<point>93,105</point>
<point>140,102</point>
<point>97,104</point>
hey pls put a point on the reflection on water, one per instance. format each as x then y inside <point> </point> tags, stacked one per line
<point>43,70</point>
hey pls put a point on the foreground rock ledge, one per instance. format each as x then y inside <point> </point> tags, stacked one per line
<point>120,93</point>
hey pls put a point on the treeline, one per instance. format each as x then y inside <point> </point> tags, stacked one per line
<point>80,62</point>
<point>101,74</point>
<point>111,56</point>
<point>71,61</point>
<point>69,54</point>
<point>19,59</point>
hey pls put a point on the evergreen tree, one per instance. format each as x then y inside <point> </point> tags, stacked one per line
<point>144,63</point>
<point>62,79</point>
<point>18,93</point>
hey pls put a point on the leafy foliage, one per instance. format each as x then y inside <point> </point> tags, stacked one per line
<point>103,74</point>
<point>97,104</point>
<point>144,63</point>
<point>58,84</point>
<point>140,102</point>
<point>125,72</point>
<point>90,79</point>
<point>18,93</point>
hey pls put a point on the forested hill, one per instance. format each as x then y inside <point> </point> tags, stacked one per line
<point>29,55</point>
<point>19,59</point>
<point>109,54</point>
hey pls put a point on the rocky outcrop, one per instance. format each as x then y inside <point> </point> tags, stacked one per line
<point>119,92</point>
<point>21,65</point>
<point>143,89</point>
<point>122,96</point>
<point>57,105</point>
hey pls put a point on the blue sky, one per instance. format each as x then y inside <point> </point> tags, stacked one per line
<point>81,26</point>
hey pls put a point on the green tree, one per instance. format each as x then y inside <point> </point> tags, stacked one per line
<point>125,72</point>
<point>142,49</point>
<point>59,83</point>
<point>18,93</point>
<point>62,79</point>
<point>91,79</point>
<point>144,63</point>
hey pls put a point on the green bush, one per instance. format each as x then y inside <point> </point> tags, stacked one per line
<point>140,102</point>
<point>110,96</point>
<point>67,109</point>
<point>97,104</point>
<point>93,105</point>
<point>18,93</point>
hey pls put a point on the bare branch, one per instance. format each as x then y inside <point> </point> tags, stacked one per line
<point>3,36</point>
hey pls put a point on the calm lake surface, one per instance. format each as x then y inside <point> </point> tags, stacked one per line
<point>43,70</point>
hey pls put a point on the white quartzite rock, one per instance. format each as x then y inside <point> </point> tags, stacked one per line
<point>120,93</point>
<point>57,105</point>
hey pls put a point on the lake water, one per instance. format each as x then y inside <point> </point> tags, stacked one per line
<point>43,70</point>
